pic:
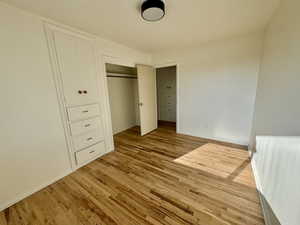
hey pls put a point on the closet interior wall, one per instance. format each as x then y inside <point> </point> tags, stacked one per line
<point>123,96</point>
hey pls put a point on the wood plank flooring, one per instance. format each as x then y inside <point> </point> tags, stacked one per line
<point>163,178</point>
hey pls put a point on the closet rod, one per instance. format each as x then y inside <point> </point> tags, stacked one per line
<point>119,75</point>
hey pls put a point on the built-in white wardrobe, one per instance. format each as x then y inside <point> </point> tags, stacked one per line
<point>80,93</point>
<point>83,97</point>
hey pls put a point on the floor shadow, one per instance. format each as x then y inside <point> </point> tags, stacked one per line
<point>239,170</point>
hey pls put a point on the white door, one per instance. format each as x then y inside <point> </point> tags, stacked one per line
<point>77,66</point>
<point>147,98</point>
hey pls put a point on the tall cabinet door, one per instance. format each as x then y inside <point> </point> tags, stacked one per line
<point>78,69</point>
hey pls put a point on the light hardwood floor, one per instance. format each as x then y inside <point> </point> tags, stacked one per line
<point>162,178</point>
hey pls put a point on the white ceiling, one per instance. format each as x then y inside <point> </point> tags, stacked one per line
<point>187,22</point>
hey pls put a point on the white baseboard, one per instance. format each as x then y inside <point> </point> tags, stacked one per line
<point>20,197</point>
<point>238,142</point>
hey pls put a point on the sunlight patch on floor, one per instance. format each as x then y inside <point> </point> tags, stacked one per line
<point>226,162</point>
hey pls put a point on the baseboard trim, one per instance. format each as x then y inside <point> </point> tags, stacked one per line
<point>166,123</point>
<point>22,196</point>
<point>237,144</point>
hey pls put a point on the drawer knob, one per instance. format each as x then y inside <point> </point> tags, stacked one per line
<point>85,91</point>
<point>80,92</point>
<point>92,152</point>
<point>87,125</point>
<point>89,139</point>
<point>85,111</point>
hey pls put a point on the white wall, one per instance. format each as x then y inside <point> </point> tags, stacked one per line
<point>123,103</point>
<point>166,93</point>
<point>33,149</point>
<point>277,105</point>
<point>115,53</point>
<point>217,85</point>
<point>277,112</point>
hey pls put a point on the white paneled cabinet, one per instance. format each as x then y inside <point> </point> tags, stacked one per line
<point>79,89</point>
<point>77,65</point>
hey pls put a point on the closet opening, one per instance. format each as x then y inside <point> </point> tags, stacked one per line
<point>123,96</point>
<point>166,84</point>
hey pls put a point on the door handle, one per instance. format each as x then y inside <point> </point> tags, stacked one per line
<point>140,104</point>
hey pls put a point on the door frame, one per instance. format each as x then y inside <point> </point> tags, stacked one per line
<point>177,89</point>
<point>103,59</point>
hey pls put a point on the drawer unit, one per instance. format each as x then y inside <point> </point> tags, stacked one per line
<point>85,126</point>
<point>87,139</point>
<point>90,153</point>
<point>83,112</point>
<point>79,92</point>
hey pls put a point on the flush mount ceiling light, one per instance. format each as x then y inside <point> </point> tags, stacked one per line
<point>153,10</point>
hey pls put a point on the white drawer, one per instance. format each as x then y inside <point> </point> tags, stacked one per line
<point>83,112</point>
<point>85,126</point>
<point>90,153</point>
<point>88,139</point>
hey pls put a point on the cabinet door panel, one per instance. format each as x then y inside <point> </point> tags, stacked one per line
<point>77,65</point>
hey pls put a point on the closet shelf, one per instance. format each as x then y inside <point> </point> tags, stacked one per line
<point>120,75</point>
